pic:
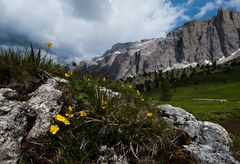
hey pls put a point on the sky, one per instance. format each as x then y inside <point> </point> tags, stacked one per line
<point>82,29</point>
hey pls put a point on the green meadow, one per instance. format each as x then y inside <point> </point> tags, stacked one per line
<point>182,96</point>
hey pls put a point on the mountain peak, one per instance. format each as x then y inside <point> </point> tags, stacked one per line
<point>223,14</point>
<point>196,42</point>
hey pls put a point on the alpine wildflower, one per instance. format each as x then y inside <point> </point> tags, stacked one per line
<point>49,44</point>
<point>138,93</point>
<point>103,104</point>
<point>130,86</point>
<point>70,109</point>
<point>149,114</point>
<point>54,129</point>
<point>69,115</point>
<point>63,119</point>
<point>69,112</point>
<point>67,75</point>
<point>82,114</point>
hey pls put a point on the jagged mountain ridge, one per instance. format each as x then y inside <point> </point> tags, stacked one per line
<point>196,42</point>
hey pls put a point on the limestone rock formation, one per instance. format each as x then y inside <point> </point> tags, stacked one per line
<point>210,142</point>
<point>15,115</point>
<point>196,42</point>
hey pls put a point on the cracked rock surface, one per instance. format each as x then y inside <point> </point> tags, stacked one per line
<point>210,142</point>
<point>42,105</point>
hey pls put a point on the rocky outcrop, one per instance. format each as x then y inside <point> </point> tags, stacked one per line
<point>210,142</point>
<point>15,116</point>
<point>201,42</point>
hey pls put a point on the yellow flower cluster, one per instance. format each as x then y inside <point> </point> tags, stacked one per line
<point>54,129</point>
<point>149,114</point>
<point>69,113</point>
<point>104,104</point>
<point>83,114</point>
<point>62,119</point>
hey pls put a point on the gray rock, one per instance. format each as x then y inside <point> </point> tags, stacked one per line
<point>14,118</point>
<point>13,121</point>
<point>199,42</point>
<point>210,142</point>
<point>45,105</point>
<point>109,92</point>
<point>7,92</point>
<point>108,155</point>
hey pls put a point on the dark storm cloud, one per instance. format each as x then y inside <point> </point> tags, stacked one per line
<point>84,28</point>
<point>95,10</point>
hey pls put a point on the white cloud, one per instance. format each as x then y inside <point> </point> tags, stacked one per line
<point>207,7</point>
<point>189,2</point>
<point>81,28</point>
<point>235,3</point>
<point>218,2</point>
<point>186,17</point>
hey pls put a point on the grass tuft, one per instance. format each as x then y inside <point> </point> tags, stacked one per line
<point>24,71</point>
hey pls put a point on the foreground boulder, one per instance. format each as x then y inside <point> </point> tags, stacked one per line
<point>210,142</point>
<point>27,119</point>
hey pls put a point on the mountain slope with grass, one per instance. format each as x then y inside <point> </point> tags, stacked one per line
<point>200,90</point>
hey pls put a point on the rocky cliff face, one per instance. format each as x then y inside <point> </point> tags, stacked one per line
<point>195,42</point>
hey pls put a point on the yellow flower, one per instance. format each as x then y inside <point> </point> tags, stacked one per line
<point>66,75</point>
<point>54,129</point>
<point>83,114</point>
<point>130,86</point>
<point>142,99</point>
<point>62,119</point>
<point>138,93</point>
<point>70,115</point>
<point>149,114</point>
<point>70,109</point>
<point>69,112</point>
<point>49,44</point>
<point>104,104</point>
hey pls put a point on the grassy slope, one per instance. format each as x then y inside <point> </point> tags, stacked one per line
<point>215,111</point>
